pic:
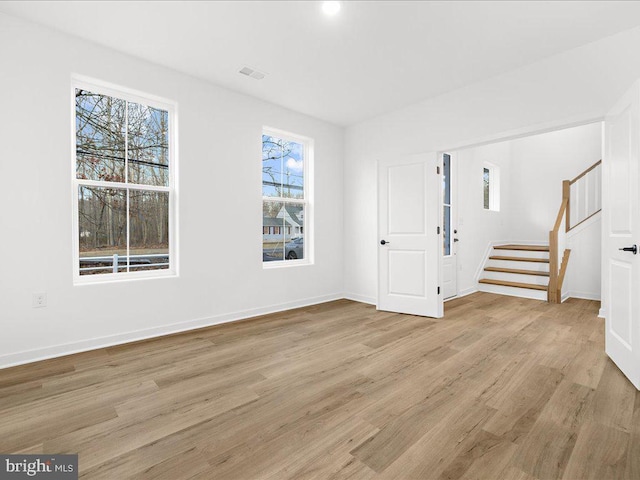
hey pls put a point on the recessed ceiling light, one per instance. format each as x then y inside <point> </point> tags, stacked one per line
<point>331,8</point>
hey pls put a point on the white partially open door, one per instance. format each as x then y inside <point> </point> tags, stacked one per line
<point>409,240</point>
<point>621,234</point>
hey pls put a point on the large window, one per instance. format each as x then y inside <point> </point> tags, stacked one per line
<point>285,198</point>
<point>123,184</point>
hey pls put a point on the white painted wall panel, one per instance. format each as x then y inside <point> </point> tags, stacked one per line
<point>221,274</point>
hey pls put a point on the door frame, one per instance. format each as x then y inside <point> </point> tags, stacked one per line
<point>453,186</point>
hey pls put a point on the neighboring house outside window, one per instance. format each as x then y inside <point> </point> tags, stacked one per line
<point>123,184</point>
<point>286,199</point>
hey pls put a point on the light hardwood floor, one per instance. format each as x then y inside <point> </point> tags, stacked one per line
<point>501,388</point>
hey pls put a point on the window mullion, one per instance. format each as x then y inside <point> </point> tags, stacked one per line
<point>282,170</point>
<point>126,179</point>
<point>126,142</point>
<point>128,222</point>
<point>123,186</point>
<point>295,201</point>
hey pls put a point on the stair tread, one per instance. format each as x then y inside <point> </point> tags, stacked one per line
<point>505,283</point>
<point>516,270</point>
<point>528,248</point>
<point>519,259</point>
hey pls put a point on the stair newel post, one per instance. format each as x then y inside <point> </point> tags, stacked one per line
<point>552,292</point>
<point>566,195</point>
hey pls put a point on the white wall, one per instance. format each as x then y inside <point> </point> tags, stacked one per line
<point>583,277</point>
<point>569,88</point>
<point>478,227</point>
<point>219,154</point>
<point>540,164</point>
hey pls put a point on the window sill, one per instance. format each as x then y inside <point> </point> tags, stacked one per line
<point>285,264</point>
<point>122,277</point>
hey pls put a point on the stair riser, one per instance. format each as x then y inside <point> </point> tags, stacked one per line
<point>519,253</point>
<point>536,266</point>
<point>513,292</point>
<point>516,277</point>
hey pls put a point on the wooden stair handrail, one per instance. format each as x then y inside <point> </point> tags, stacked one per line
<point>561,213</point>
<point>595,165</point>
<point>566,193</point>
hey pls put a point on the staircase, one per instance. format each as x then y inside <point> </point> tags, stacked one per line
<point>517,270</point>
<point>538,271</point>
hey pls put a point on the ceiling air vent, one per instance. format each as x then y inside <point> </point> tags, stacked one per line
<point>250,72</point>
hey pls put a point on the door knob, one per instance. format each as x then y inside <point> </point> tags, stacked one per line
<point>383,242</point>
<point>633,249</point>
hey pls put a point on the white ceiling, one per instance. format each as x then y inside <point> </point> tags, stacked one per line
<point>373,57</point>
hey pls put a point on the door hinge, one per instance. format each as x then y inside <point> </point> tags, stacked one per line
<point>438,170</point>
<point>438,231</point>
<point>438,290</point>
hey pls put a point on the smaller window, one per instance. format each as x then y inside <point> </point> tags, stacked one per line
<point>286,204</point>
<point>491,187</point>
<point>486,187</point>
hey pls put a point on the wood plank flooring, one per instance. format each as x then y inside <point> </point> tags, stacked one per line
<point>501,388</point>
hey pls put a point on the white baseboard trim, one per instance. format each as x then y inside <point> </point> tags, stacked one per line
<point>467,291</point>
<point>601,313</point>
<point>36,355</point>
<point>356,297</point>
<point>583,295</point>
<point>29,356</point>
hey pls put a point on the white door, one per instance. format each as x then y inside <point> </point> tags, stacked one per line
<point>449,231</point>
<point>409,240</point>
<point>621,230</point>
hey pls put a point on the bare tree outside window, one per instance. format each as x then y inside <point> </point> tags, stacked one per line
<point>122,150</point>
<point>283,193</point>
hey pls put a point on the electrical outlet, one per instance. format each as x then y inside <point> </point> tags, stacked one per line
<point>39,300</point>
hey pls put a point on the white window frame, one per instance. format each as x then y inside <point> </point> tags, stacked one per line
<point>494,187</point>
<point>134,96</point>
<point>307,201</point>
